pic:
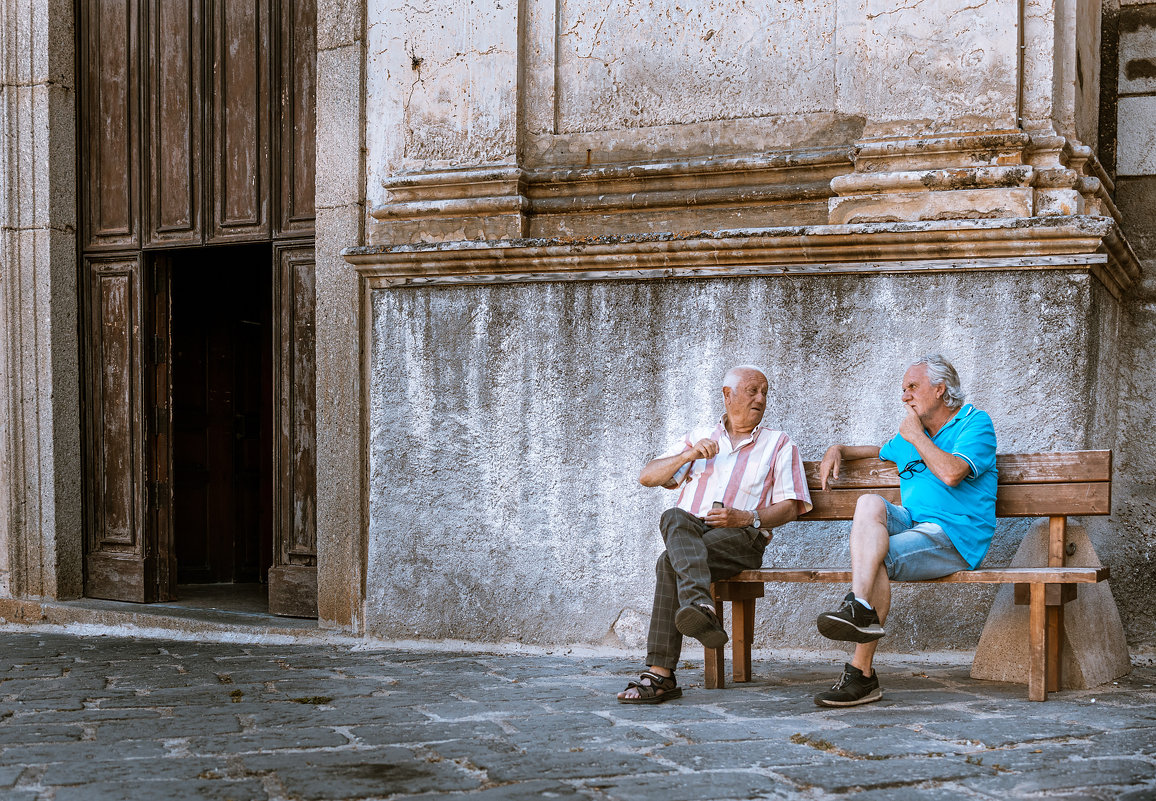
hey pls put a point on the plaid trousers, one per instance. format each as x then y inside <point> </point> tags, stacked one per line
<point>695,555</point>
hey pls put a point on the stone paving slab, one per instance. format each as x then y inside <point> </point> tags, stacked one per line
<point>108,718</point>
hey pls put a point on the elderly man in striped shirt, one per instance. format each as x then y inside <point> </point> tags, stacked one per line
<point>738,481</point>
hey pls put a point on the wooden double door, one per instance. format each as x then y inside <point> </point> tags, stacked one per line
<point>196,184</point>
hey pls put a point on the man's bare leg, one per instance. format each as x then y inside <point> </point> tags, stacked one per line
<point>870,585</point>
<point>869,543</point>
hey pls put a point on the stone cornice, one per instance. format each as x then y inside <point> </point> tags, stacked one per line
<point>1085,243</point>
<point>504,201</point>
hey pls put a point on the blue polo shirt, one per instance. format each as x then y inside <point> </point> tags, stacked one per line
<point>966,512</point>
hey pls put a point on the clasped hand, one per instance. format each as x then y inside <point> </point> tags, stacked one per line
<point>726,517</point>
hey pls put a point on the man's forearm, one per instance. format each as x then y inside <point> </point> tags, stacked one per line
<point>853,452</point>
<point>659,472</point>
<point>778,514</point>
<point>947,467</point>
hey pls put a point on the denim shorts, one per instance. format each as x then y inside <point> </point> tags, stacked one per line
<point>918,550</point>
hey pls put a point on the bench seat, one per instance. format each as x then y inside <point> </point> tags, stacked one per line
<point>1051,485</point>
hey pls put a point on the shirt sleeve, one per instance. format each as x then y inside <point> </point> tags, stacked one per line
<point>976,443</point>
<point>791,478</point>
<point>887,452</point>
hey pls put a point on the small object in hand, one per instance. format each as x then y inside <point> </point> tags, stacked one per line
<point>717,505</point>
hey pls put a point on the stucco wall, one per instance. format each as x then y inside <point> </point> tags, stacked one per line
<point>507,426</point>
<point>1136,197</point>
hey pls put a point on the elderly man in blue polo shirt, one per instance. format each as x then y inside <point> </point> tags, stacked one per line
<point>945,451</point>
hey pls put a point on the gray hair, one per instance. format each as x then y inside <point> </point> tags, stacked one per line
<point>734,375</point>
<point>940,371</point>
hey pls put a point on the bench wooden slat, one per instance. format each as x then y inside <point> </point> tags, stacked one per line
<point>1011,500</point>
<point>997,575</point>
<point>1054,468</point>
<point>1049,500</point>
<point>1014,468</point>
<point>840,504</point>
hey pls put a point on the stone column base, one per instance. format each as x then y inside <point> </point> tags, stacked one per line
<point>293,590</point>
<point>1094,650</point>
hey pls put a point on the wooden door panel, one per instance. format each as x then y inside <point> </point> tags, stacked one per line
<point>298,125</point>
<point>116,291</point>
<point>174,84</point>
<point>159,426</point>
<point>116,563</point>
<point>110,135</point>
<point>293,577</point>
<point>240,115</point>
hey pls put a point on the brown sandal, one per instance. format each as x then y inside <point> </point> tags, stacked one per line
<point>660,688</point>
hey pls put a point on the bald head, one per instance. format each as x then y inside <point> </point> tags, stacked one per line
<point>745,398</point>
<point>738,373</point>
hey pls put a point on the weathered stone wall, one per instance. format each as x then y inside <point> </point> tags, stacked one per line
<point>507,426</point>
<point>1136,196</point>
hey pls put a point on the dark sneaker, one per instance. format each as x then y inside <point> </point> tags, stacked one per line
<point>852,689</point>
<point>852,623</point>
<point>699,622</point>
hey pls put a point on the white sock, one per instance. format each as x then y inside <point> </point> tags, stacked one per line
<point>862,601</point>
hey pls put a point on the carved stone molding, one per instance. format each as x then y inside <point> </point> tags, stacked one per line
<point>970,176</point>
<point>504,202</point>
<point>1091,244</point>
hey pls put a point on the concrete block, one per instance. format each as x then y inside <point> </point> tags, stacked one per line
<point>1058,202</point>
<point>1136,135</point>
<point>952,204</point>
<point>1094,650</point>
<point>638,65</point>
<point>339,23</point>
<point>1137,62</point>
<point>910,69</point>
<point>339,156</point>
<point>444,82</point>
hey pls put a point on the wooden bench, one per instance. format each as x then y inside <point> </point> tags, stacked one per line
<point>1051,485</point>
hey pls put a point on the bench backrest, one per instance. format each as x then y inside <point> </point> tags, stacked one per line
<point>1030,485</point>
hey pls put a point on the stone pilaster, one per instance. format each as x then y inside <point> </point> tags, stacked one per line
<point>40,467</point>
<point>340,218</point>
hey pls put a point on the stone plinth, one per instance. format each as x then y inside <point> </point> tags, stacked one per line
<point>1094,650</point>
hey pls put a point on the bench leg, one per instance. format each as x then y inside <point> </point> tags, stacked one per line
<point>1055,642</point>
<point>714,660</point>
<point>743,634</point>
<point>1037,644</point>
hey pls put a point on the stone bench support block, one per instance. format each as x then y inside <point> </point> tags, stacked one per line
<point>1093,649</point>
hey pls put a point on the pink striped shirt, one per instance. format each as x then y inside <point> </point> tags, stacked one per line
<point>764,468</point>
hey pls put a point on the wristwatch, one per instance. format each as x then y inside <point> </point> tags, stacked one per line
<point>755,524</point>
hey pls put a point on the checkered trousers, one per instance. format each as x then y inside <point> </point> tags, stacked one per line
<point>695,555</point>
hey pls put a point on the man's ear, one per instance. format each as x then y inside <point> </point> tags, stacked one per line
<point>726,393</point>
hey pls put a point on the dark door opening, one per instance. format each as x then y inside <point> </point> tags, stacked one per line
<point>222,413</point>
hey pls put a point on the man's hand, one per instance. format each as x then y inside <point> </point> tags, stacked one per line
<point>911,429</point>
<point>832,461</point>
<point>729,518</point>
<point>703,449</point>
<point>659,472</point>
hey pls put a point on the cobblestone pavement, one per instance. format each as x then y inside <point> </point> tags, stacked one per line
<point>103,718</point>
